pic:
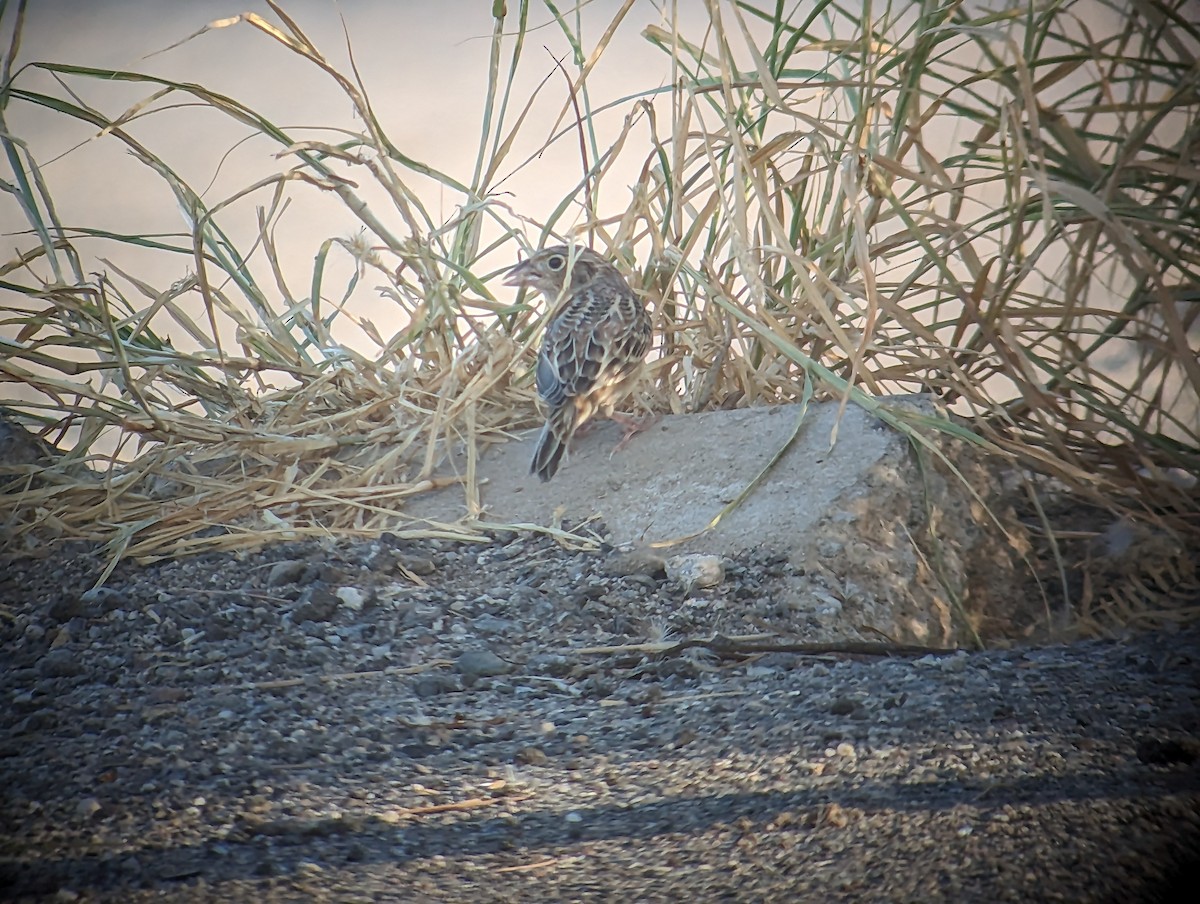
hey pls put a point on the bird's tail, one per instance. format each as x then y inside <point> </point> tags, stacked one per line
<point>552,444</point>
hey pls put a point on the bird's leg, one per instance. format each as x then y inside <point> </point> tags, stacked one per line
<point>632,426</point>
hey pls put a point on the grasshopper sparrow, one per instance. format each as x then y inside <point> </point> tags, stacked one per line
<point>593,348</point>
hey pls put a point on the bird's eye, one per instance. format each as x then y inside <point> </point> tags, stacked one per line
<point>556,262</point>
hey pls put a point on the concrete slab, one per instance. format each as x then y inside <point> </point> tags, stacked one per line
<point>673,479</point>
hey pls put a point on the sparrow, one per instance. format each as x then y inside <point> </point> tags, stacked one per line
<point>593,347</point>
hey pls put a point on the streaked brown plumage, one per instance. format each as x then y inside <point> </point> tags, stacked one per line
<point>593,347</point>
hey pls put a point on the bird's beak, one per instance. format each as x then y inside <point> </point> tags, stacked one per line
<point>520,275</point>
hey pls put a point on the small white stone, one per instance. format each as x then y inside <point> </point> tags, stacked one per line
<point>352,598</point>
<point>696,571</point>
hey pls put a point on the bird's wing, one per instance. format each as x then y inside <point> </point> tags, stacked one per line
<point>597,332</point>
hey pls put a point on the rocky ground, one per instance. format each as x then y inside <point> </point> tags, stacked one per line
<point>432,721</point>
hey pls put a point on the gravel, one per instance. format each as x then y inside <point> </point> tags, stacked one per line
<point>424,721</point>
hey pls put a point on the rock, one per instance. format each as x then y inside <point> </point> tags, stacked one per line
<point>844,706</point>
<point>696,571</point>
<point>434,685</point>
<point>490,624</point>
<point>475,664</point>
<point>60,663</point>
<point>317,604</point>
<point>418,565</point>
<point>531,756</point>
<point>103,599</point>
<point>637,561</point>
<point>288,572</point>
<point>352,598</point>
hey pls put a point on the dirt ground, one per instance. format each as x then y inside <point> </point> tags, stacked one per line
<point>436,721</point>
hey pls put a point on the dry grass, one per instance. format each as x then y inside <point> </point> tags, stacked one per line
<point>802,221</point>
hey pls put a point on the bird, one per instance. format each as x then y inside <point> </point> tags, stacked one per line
<point>598,334</point>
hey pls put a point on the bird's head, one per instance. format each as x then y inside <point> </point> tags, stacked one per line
<point>548,270</point>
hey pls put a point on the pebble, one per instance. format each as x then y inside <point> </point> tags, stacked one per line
<point>427,686</point>
<point>60,663</point>
<point>781,777</point>
<point>352,598</point>
<point>423,566</point>
<point>317,604</point>
<point>695,571</point>
<point>103,599</point>
<point>490,624</point>
<point>644,562</point>
<point>473,664</point>
<point>286,572</point>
